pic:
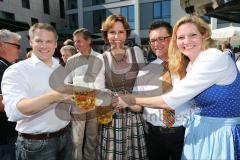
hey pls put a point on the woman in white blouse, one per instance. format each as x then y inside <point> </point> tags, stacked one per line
<point>213,81</point>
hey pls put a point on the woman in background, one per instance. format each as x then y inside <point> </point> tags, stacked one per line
<point>66,52</point>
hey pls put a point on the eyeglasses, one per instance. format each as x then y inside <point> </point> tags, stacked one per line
<point>158,39</point>
<point>17,45</point>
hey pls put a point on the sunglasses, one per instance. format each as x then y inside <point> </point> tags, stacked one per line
<point>17,45</point>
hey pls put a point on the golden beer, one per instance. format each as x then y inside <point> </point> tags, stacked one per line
<point>104,114</point>
<point>85,99</point>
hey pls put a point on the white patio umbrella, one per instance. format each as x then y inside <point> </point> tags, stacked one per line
<point>231,34</point>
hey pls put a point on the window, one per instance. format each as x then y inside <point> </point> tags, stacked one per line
<point>71,4</point>
<point>46,8</point>
<point>73,21</point>
<point>97,2</point>
<point>161,10</point>
<point>98,17</point>
<point>62,8</point>
<point>157,10</point>
<point>7,15</point>
<point>128,12</point>
<point>26,4</point>
<point>53,24</point>
<point>34,20</point>
<point>206,19</point>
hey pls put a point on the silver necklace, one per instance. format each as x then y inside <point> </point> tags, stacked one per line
<point>121,59</point>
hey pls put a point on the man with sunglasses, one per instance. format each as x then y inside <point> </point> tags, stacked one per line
<point>163,141</point>
<point>9,53</point>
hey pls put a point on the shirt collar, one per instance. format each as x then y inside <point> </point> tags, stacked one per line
<point>157,61</point>
<point>91,52</point>
<point>35,60</point>
<point>5,61</point>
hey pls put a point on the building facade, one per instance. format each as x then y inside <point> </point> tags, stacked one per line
<point>139,13</point>
<point>30,12</point>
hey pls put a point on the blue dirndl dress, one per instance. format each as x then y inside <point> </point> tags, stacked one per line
<point>214,131</point>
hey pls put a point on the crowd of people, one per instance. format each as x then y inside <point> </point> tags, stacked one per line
<point>182,105</point>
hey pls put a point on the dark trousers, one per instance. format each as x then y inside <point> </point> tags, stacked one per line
<point>165,143</point>
<point>7,148</point>
<point>7,152</point>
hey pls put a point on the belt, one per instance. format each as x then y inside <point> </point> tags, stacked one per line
<point>160,129</point>
<point>45,136</point>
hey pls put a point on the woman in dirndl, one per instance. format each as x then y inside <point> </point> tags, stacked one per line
<point>123,137</point>
<point>209,77</point>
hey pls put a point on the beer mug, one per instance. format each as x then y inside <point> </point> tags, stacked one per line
<point>104,108</point>
<point>105,114</point>
<point>84,93</point>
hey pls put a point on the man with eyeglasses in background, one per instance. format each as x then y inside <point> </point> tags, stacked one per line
<point>9,53</point>
<point>162,142</point>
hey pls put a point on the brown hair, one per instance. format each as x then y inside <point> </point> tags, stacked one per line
<point>110,21</point>
<point>86,34</point>
<point>177,61</point>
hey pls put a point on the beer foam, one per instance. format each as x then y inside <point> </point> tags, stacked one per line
<point>98,102</point>
<point>79,81</point>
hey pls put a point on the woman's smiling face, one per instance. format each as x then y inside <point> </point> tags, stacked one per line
<point>189,40</point>
<point>117,35</point>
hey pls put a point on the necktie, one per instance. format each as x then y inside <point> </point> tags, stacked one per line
<point>168,115</point>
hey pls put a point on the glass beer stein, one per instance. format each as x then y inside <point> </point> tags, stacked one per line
<point>104,114</point>
<point>84,93</point>
<point>104,109</point>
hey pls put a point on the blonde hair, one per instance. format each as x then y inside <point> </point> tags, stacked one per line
<point>44,26</point>
<point>68,42</point>
<point>70,48</point>
<point>177,61</point>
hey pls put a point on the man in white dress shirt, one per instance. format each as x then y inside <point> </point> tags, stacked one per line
<point>162,142</point>
<point>86,63</point>
<point>30,101</point>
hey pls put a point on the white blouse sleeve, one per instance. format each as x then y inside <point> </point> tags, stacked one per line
<point>210,67</point>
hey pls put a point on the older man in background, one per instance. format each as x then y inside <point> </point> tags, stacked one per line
<point>86,63</point>
<point>9,53</point>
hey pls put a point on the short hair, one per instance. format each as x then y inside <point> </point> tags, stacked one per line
<point>158,24</point>
<point>6,35</point>
<point>86,34</point>
<point>44,26</point>
<point>70,48</point>
<point>110,21</point>
<point>226,45</point>
<point>29,54</point>
<point>68,42</point>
